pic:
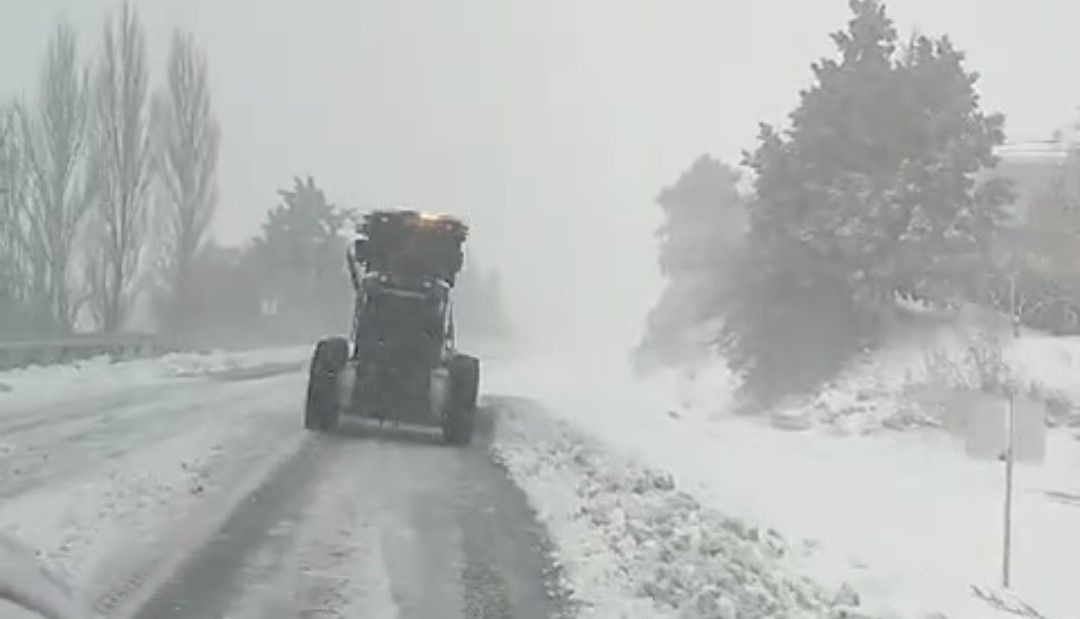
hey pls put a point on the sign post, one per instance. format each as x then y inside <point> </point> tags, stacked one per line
<point>1013,431</point>
<point>1006,561</point>
<point>1010,444</point>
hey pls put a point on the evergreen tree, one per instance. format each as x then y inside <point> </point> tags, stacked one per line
<point>868,195</point>
<point>302,228</point>
<point>703,217</point>
<point>302,253</point>
<point>704,221</point>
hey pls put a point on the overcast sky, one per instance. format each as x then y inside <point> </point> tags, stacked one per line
<point>541,121</point>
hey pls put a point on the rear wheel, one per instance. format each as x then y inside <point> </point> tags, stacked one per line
<point>461,407</point>
<point>321,410</point>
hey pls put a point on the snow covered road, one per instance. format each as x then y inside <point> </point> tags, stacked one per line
<point>197,494</point>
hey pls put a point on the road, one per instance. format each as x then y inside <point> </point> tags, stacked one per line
<point>203,498</point>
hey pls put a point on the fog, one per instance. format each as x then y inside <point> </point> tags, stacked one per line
<point>551,125</point>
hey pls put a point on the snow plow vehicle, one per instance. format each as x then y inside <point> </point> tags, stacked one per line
<point>400,363</point>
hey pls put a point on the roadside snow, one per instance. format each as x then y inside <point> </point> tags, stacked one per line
<point>221,363</point>
<point>40,385</point>
<point>634,545</point>
<point>905,518</point>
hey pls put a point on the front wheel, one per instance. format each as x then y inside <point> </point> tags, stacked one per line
<point>461,406</point>
<point>321,409</point>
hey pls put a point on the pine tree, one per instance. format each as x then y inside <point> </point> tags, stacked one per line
<point>704,221</point>
<point>298,230</point>
<point>302,253</point>
<point>702,217</point>
<point>870,194</point>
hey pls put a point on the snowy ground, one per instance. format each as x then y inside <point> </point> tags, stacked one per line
<point>904,518</point>
<point>634,545</point>
<point>658,502</point>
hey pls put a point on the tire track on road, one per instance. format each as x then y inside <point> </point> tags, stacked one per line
<point>40,415</point>
<point>209,557</point>
<point>371,524</point>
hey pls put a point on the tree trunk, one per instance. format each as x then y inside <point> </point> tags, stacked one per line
<point>181,302</point>
<point>114,303</point>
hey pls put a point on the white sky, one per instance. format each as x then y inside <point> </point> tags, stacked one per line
<point>541,121</point>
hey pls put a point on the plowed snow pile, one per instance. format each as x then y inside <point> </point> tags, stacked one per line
<point>635,545</point>
<point>40,385</point>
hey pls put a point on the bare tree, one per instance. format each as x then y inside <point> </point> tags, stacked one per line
<point>23,307</point>
<point>54,148</point>
<point>23,275</point>
<point>11,238</point>
<point>187,156</point>
<point>122,165</point>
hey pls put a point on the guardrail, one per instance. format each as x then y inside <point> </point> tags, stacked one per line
<point>23,353</point>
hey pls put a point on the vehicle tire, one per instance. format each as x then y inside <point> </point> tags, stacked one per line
<point>321,409</point>
<point>464,389</point>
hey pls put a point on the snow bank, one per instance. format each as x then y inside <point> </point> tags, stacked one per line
<point>221,363</point>
<point>39,385</point>
<point>634,545</point>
